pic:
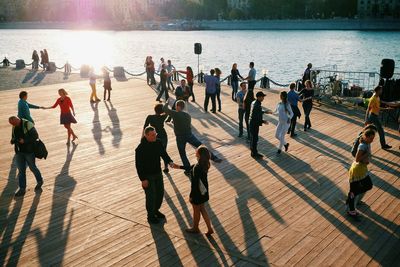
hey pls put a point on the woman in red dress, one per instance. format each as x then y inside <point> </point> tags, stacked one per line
<point>66,117</point>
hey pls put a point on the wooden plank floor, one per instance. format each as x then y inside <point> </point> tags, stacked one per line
<point>283,210</point>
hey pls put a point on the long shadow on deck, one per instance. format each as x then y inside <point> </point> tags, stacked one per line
<point>246,190</point>
<point>116,128</point>
<point>51,247</point>
<point>329,193</point>
<point>97,130</point>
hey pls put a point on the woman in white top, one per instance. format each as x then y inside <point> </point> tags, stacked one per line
<point>92,82</point>
<point>285,114</point>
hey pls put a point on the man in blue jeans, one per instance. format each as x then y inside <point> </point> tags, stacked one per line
<point>23,138</point>
<point>183,132</point>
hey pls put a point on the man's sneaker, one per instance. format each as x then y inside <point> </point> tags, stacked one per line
<point>153,220</point>
<point>166,170</point>
<point>386,146</point>
<point>159,215</point>
<point>39,186</point>
<point>286,147</point>
<point>279,151</point>
<point>21,192</point>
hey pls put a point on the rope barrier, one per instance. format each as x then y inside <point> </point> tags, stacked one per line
<point>225,78</point>
<point>139,74</point>
<point>157,73</point>
<point>60,67</point>
<point>278,84</point>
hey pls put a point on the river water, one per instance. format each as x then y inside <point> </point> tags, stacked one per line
<point>284,54</point>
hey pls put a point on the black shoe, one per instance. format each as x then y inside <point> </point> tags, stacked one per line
<point>187,173</point>
<point>279,151</point>
<point>153,220</point>
<point>166,170</point>
<point>355,216</point>
<point>305,129</point>
<point>386,146</point>
<point>257,155</point>
<point>39,186</point>
<point>21,192</point>
<point>286,147</point>
<point>159,215</point>
<point>293,135</point>
<point>240,135</point>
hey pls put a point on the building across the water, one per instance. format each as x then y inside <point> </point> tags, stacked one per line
<point>378,8</point>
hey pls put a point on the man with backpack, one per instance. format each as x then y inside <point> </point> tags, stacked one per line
<point>24,136</point>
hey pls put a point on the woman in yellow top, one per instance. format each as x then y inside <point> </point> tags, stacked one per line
<point>359,179</point>
<point>372,115</point>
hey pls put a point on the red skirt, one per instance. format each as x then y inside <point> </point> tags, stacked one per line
<point>67,118</point>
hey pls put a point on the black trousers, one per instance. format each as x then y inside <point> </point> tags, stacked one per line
<point>207,99</point>
<point>218,95</point>
<point>254,130</point>
<point>154,194</point>
<point>246,120</point>
<point>252,84</point>
<point>191,91</point>
<point>163,89</point>
<point>307,107</point>
<point>358,188</point>
<point>293,121</point>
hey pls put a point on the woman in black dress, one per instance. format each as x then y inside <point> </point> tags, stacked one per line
<point>307,95</point>
<point>235,80</point>
<point>157,121</point>
<point>199,190</point>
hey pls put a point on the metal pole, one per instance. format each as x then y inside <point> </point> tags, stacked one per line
<point>198,64</point>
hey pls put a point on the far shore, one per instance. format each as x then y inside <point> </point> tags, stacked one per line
<point>181,25</point>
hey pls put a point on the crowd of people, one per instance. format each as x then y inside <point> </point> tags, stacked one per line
<point>153,144</point>
<point>44,59</point>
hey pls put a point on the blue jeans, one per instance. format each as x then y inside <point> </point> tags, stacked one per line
<point>181,141</point>
<point>235,85</point>
<point>26,159</point>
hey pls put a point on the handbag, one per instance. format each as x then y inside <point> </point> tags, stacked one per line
<point>39,149</point>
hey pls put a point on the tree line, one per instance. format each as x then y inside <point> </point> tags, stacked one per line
<point>45,10</point>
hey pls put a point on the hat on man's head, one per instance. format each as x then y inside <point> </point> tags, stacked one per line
<point>260,94</point>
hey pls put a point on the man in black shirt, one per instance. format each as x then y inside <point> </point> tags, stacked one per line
<point>148,154</point>
<point>256,120</point>
<point>23,138</point>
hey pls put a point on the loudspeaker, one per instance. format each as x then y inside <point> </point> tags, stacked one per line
<point>197,48</point>
<point>387,68</point>
<point>19,64</point>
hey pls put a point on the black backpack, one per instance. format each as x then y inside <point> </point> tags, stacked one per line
<point>39,149</point>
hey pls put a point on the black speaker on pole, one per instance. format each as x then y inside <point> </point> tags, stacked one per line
<point>387,68</point>
<point>197,48</point>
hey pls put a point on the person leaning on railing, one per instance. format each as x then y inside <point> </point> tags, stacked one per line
<point>372,115</point>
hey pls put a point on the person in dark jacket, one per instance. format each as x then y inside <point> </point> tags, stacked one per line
<point>157,121</point>
<point>307,95</point>
<point>256,120</point>
<point>183,132</point>
<point>23,137</point>
<point>147,155</point>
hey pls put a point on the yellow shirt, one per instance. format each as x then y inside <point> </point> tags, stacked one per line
<point>374,104</point>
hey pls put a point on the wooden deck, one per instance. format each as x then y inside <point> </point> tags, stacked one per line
<point>283,210</point>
